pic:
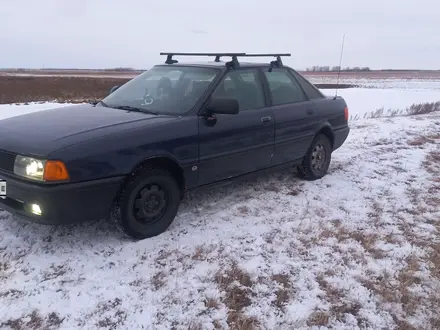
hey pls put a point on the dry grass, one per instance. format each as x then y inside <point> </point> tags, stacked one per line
<point>367,240</point>
<point>238,321</point>
<point>61,89</point>
<point>434,259</point>
<point>420,140</point>
<point>396,290</point>
<point>195,326</point>
<point>234,273</point>
<point>34,321</point>
<point>282,294</point>
<point>212,303</point>
<point>423,108</point>
<point>202,252</point>
<point>339,307</point>
<point>412,110</point>
<point>237,285</point>
<point>318,319</point>
<point>158,280</point>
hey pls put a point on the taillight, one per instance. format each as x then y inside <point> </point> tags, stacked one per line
<point>346,113</point>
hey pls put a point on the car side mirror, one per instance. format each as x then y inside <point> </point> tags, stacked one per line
<point>113,89</point>
<point>226,106</point>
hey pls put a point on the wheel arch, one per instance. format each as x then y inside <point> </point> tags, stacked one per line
<point>326,130</point>
<point>161,162</point>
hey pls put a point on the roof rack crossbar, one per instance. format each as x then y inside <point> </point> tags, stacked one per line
<point>268,55</point>
<point>217,56</point>
<point>234,62</point>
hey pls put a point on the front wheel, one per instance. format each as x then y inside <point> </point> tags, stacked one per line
<point>317,160</point>
<point>148,204</point>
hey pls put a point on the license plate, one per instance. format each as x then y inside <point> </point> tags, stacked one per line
<point>3,189</point>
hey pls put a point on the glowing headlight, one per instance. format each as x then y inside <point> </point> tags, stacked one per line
<point>41,170</point>
<point>30,168</point>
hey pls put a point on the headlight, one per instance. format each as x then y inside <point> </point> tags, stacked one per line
<point>40,170</point>
<point>30,168</point>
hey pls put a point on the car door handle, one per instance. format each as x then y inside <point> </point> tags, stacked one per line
<point>265,119</point>
<point>310,111</point>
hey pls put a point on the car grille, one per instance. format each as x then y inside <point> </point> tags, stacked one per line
<point>7,160</point>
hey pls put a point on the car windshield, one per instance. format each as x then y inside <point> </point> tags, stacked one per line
<point>163,90</point>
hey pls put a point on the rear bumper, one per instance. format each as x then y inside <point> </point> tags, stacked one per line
<point>340,135</point>
<point>60,204</point>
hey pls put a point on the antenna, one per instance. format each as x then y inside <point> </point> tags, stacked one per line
<point>340,66</point>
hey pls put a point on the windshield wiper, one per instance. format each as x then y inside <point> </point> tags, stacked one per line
<point>130,108</point>
<point>103,104</point>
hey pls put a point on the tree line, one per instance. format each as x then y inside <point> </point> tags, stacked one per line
<point>317,68</point>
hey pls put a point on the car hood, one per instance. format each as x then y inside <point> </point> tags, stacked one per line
<point>39,133</point>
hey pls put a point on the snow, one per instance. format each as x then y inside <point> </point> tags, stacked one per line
<point>391,83</point>
<point>301,255</point>
<point>363,101</point>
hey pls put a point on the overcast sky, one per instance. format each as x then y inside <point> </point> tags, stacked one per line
<point>131,33</point>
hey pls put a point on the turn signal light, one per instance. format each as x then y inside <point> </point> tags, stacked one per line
<point>346,113</point>
<point>55,170</point>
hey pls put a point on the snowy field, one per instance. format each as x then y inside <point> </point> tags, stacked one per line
<point>405,84</point>
<point>359,249</point>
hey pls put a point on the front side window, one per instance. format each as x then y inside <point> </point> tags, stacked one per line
<point>170,90</point>
<point>283,88</point>
<point>243,85</point>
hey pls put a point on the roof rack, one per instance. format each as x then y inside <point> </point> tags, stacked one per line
<point>278,62</point>
<point>231,64</point>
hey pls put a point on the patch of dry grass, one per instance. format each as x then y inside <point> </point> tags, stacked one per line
<point>195,326</point>
<point>34,321</point>
<point>158,280</point>
<point>212,303</point>
<point>397,289</point>
<point>419,141</point>
<point>318,319</point>
<point>283,293</point>
<point>412,110</point>
<point>394,290</point>
<point>423,108</point>
<point>339,307</point>
<point>202,252</point>
<point>239,321</point>
<point>237,285</point>
<point>368,241</point>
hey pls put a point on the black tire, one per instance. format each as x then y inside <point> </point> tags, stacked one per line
<point>147,204</point>
<point>313,168</point>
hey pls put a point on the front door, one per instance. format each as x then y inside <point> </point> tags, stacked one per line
<point>241,143</point>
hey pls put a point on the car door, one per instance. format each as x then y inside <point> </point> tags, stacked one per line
<point>232,145</point>
<point>294,114</point>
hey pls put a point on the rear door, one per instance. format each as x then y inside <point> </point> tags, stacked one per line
<point>295,116</point>
<point>241,143</point>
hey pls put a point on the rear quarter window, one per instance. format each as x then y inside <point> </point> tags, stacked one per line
<point>311,91</point>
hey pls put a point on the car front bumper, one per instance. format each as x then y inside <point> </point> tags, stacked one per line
<point>60,204</point>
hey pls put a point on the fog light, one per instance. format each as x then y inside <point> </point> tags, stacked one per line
<point>36,209</point>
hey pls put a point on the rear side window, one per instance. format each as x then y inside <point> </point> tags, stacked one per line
<point>311,91</point>
<point>284,89</point>
<point>243,85</point>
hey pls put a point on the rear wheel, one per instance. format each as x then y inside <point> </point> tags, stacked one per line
<point>148,203</point>
<point>317,160</point>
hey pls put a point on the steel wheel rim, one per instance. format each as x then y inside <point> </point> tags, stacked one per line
<point>319,157</point>
<point>150,204</point>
